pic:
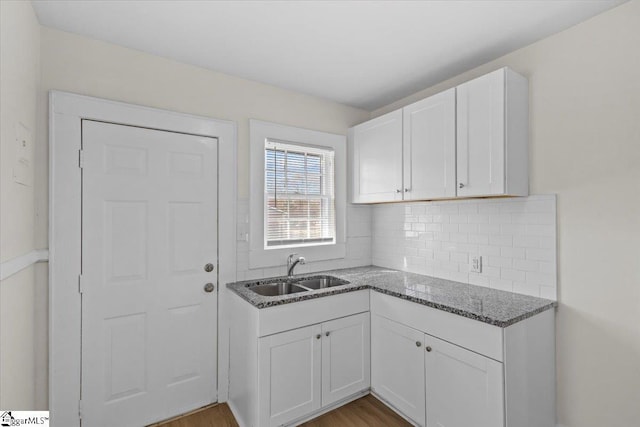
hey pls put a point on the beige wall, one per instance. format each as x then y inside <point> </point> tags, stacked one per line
<point>89,67</point>
<point>19,80</point>
<point>585,146</point>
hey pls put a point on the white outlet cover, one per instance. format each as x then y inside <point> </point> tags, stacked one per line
<point>475,265</point>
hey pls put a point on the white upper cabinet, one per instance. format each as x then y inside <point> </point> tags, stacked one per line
<point>429,147</point>
<point>492,135</point>
<point>468,141</point>
<point>376,159</point>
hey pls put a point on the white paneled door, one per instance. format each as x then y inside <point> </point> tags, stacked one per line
<point>149,301</point>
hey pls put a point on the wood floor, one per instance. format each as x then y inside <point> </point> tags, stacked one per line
<point>364,412</point>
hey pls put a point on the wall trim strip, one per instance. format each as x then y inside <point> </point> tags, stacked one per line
<point>19,263</point>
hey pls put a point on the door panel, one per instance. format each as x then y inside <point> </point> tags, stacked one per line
<point>429,145</point>
<point>463,388</point>
<point>377,162</point>
<point>397,366</point>
<point>346,358</point>
<point>289,375</point>
<point>149,201</point>
<point>480,133</point>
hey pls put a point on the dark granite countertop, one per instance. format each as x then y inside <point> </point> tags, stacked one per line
<point>498,308</point>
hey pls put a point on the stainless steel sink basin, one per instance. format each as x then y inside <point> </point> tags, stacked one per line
<point>276,289</point>
<point>321,282</point>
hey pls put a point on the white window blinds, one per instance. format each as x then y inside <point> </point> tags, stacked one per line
<point>299,195</point>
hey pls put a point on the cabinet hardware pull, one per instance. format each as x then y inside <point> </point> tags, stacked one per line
<point>208,268</point>
<point>398,191</point>
<point>318,336</point>
<point>428,348</point>
<point>327,333</point>
<point>406,190</point>
<point>418,343</point>
<point>461,185</point>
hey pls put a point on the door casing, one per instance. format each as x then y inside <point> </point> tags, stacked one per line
<point>66,110</point>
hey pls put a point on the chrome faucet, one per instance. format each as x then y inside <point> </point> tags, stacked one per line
<point>291,263</point>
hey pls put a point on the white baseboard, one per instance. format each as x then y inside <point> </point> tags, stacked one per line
<point>393,408</point>
<point>236,413</point>
<point>17,264</point>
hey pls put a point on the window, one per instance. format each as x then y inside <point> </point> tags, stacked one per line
<point>297,194</point>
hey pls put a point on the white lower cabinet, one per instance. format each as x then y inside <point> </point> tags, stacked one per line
<point>438,369</point>
<point>463,388</point>
<point>433,382</point>
<point>302,370</point>
<point>289,375</point>
<point>346,367</point>
<point>397,365</point>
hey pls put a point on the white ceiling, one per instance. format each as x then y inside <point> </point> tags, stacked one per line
<point>360,53</point>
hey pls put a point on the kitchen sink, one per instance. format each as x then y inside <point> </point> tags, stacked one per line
<point>276,289</point>
<point>293,286</point>
<point>321,282</point>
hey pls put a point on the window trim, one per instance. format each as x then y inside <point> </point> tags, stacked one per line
<point>259,133</point>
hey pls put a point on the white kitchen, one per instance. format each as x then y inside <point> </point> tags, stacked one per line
<point>322,213</point>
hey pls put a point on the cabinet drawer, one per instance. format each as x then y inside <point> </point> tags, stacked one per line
<point>285,317</point>
<point>471,334</point>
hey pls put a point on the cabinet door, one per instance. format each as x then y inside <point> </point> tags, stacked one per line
<point>397,367</point>
<point>463,388</point>
<point>345,357</point>
<point>376,159</point>
<point>481,136</point>
<point>429,147</point>
<point>289,375</point>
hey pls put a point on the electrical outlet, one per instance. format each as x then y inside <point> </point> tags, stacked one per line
<point>476,264</point>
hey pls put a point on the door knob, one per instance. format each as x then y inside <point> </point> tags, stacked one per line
<point>209,287</point>
<point>208,267</point>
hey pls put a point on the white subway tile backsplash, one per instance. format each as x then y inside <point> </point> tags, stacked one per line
<point>501,240</point>
<point>514,275</point>
<point>496,261</point>
<point>517,253</point>
<point>526,265</point>
<point>526,241</point>
<point>540,254</point>
<point>516,238</point>
<point>501,284</point>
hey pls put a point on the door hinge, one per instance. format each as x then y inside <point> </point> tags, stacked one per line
<point>80,287</point>
<point>80,408</point>
<point>80,159</point>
